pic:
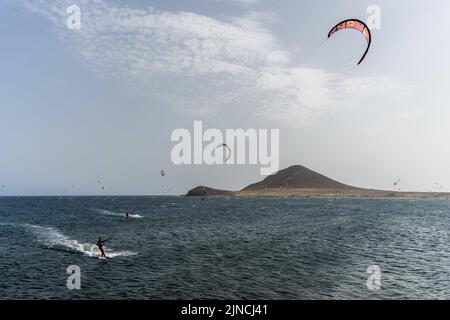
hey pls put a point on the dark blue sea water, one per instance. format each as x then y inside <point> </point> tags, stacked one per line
<point>224,248</point>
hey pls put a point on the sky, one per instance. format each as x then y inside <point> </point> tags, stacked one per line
<point>100,103</point>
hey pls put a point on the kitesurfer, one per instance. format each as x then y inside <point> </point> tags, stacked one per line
<point>101,246</point>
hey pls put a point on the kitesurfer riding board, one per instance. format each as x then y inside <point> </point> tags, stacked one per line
<point>101,247</point>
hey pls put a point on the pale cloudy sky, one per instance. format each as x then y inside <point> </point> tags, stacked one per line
<point>100,103</point>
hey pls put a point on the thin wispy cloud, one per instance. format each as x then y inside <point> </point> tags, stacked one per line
<point>242,2</point>
<point>199,63</point>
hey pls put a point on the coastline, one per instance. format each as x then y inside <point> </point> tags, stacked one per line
<point>298,181</point>
<point>330,193</point>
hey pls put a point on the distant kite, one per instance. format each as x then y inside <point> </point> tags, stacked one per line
<point>354,24</point>
<point>226,147</point>
<point>397,183</point>
<point>163,173</point>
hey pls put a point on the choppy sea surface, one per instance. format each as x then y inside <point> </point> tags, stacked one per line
<point>225,248</point>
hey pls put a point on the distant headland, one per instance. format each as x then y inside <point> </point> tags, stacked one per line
<point>299,181</point>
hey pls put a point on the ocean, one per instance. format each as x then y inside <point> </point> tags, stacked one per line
<point>224,248</point>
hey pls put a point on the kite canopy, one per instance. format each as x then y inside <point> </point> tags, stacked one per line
<point>226,147</point>
<point>354,24</point>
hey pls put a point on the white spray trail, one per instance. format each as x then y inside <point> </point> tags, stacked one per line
<point>116,214</point>
<point>53,238</point>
